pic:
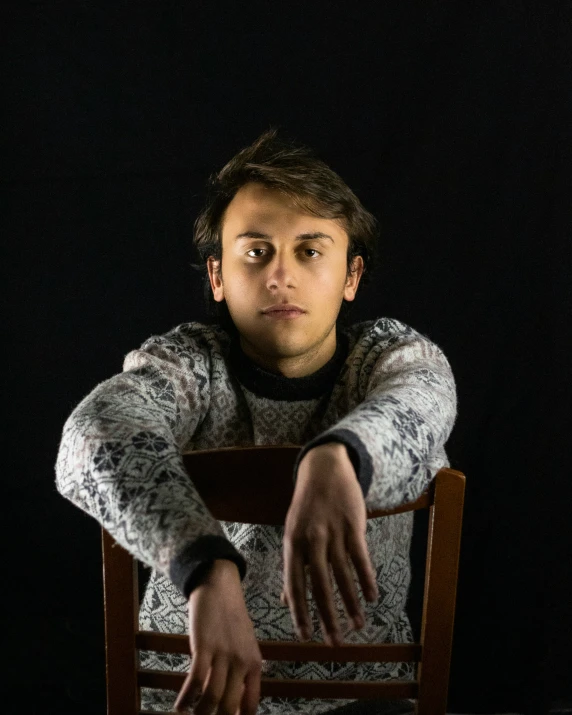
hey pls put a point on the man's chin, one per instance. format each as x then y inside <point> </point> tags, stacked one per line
<point>275,347</point>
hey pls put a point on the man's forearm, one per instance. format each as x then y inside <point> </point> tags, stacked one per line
<point>221,570</point>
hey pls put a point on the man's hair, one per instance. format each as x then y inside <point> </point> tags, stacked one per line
<point>293,169</point>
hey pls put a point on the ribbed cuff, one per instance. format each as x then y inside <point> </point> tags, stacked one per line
<point>357,452</point>
<point>191,565</point>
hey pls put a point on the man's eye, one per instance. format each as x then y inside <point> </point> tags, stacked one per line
<point>263,249</point>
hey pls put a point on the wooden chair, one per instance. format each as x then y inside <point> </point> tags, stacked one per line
<point>254,485</point>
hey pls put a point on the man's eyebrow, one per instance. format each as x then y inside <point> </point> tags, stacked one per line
<point>299,237</point>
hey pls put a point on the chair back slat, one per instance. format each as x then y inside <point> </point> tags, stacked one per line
<point>255,485</point>
<point>293,650</point>
<point>289,688</point>
<point>440,591</point>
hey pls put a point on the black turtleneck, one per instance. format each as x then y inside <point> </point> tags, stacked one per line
<point>264,383</point>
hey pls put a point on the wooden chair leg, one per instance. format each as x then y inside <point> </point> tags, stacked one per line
<point>121,597</point>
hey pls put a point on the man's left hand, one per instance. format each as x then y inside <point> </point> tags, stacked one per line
<point>326,523</point>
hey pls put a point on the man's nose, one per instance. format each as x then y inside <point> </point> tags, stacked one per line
<point>281,270</point>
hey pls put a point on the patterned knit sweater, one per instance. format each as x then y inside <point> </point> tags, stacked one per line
<point>387,393</point>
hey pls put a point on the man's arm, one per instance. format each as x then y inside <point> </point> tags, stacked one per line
<point>119,460</point>
<point>396,435</point>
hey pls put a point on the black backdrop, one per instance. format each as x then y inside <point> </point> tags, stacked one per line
<point>451,121</point>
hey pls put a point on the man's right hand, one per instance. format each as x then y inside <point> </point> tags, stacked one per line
<point>226,661</point>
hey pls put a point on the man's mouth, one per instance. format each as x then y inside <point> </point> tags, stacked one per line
<point>284,313</point>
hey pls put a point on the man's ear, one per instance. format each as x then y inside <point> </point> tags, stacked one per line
<point>353,279</point>
<point>213,267</point>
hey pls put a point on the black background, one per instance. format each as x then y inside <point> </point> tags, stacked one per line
<point>451,122</point>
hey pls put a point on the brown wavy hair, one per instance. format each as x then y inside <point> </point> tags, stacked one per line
<point>282,163</point>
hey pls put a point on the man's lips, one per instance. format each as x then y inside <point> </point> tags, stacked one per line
<point>285,314</point>
<point>284,307</point>
<point>285,310</point>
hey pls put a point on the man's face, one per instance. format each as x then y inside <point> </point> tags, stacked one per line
<point>261,272</point>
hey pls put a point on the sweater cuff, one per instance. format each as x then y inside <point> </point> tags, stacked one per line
<point>191,565</point>
<point>357,452</point>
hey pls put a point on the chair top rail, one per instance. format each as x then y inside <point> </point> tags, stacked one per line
<point>254,484</point>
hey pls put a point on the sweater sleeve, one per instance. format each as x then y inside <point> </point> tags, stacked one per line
<point>395,436</point>
<point>120,460</point>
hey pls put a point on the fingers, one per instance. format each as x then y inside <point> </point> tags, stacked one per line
<point>344,578</point>
<point>295,589</point>
<point>220,688</point>
<point>214,688</point>
<point>358,551</point>
<point>193,685</point>
<point>251,695</point>
<point>323,595</point>
<point>231,697</point>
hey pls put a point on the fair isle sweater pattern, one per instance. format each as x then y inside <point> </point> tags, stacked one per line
<point>387,393</point>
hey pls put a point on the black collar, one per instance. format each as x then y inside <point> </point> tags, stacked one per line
<point>278,387</point>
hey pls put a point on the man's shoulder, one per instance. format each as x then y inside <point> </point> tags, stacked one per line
<point>188,347</point>
<point>194,336</point>
<point>366,334</point>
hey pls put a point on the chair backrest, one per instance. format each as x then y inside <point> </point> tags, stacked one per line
<point>254,485</point>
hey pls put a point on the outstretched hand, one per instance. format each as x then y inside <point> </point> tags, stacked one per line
<point>326,524</point>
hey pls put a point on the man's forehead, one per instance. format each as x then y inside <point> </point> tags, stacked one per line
<point>262,202</point>
<point>258,208</point>
<point>305,236</point>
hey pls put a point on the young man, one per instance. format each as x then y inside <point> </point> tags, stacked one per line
<point>284,245</point>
